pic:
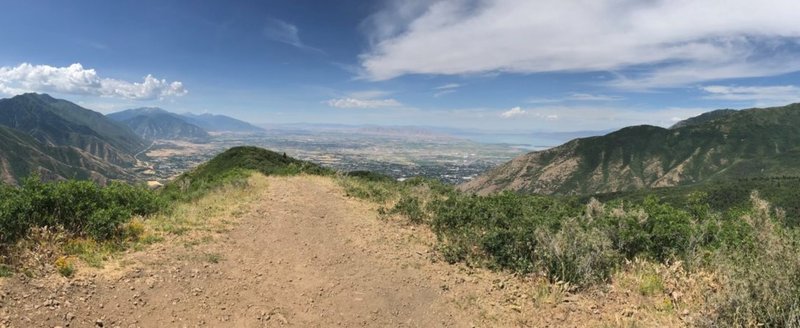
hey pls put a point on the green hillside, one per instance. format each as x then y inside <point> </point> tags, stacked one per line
<point>60,140</point>
<point>720,146</point>
<point>21,155</point>
<point>782,192</point>
<point>232,166</point>
<point>62,123</point>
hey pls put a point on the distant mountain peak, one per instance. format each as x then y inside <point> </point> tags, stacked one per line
<point>156,123</point>
<point>43,97</point>
<point>220,123</point>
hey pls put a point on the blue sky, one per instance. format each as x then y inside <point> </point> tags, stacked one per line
<point>499,65</point>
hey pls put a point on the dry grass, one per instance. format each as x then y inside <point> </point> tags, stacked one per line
<point>760,284</point>
<point>46,250</point>
<point>211,214</point>
<point>665,290</point>
<point>36,254</point>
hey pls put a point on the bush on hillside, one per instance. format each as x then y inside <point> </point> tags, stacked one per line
<point>81,207</point>
<point>576,254</point>
<point>761,278</point>
<point>499,230</point>
<point>411,207</point>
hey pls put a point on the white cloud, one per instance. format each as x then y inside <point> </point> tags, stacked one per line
<point>760,95</point>
<point>363,103</point>
<point>665,42</point>
<point>280,31</point>
<point>448,86</point>
<point>369,94</point>
<point>446,89</point>
<point>77,80</point>
<point>516,111</point>
<point>574,118</point>
<point>365,99</point>
<point>538,100</point>
<point>592,97</point>
<point>575,97</point>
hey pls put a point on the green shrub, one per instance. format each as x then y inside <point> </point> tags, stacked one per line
<point>670,230</point>
<point>80,207</point>
<point>650,284</point>
<point>575,254</point>
<point>761,280</point>
<point>410,207</point>
<point>499,230</point>
<point>104,223</point>
<point>370,176</point>
<point>583,244</point>
<point>6,271</point>
<point>376,191</point>
<point>652,229</point>
<point>65,267</point>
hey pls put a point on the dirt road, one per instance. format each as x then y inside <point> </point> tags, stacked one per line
<point>299,253</point>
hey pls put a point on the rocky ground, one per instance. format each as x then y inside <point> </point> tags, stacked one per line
<point>302,254</point>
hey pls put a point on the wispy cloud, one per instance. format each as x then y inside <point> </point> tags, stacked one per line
<point>365,99</point>
<point>578,117</point>
<point>758,95</point>
<point>363,103</point>
<point>516,111</point>
<point>93,44</point>
<point>593,97</point>
<point>448,86</point>
<point>369,94</point>
<point>284,32</point>
<point>539,100</point>
<point>650,44</point>
<point>77,80</point>
<point>446,89</point>
<point>576,97</point>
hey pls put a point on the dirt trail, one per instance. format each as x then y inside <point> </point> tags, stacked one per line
<point>301,255</point>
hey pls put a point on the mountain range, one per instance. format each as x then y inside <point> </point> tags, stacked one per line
<point>59,139</point>
<point>155,123</point>
<point>220,123</point>
<point>721,145</point>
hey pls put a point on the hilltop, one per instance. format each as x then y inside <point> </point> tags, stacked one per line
<point>717,146</point>
<point>235,164</point>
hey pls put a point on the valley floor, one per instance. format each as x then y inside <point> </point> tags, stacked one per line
<point>300,253</point>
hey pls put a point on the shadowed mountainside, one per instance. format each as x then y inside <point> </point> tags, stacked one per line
<point>59,139</point>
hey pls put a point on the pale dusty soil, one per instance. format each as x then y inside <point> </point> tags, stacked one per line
<point>304,255</point>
